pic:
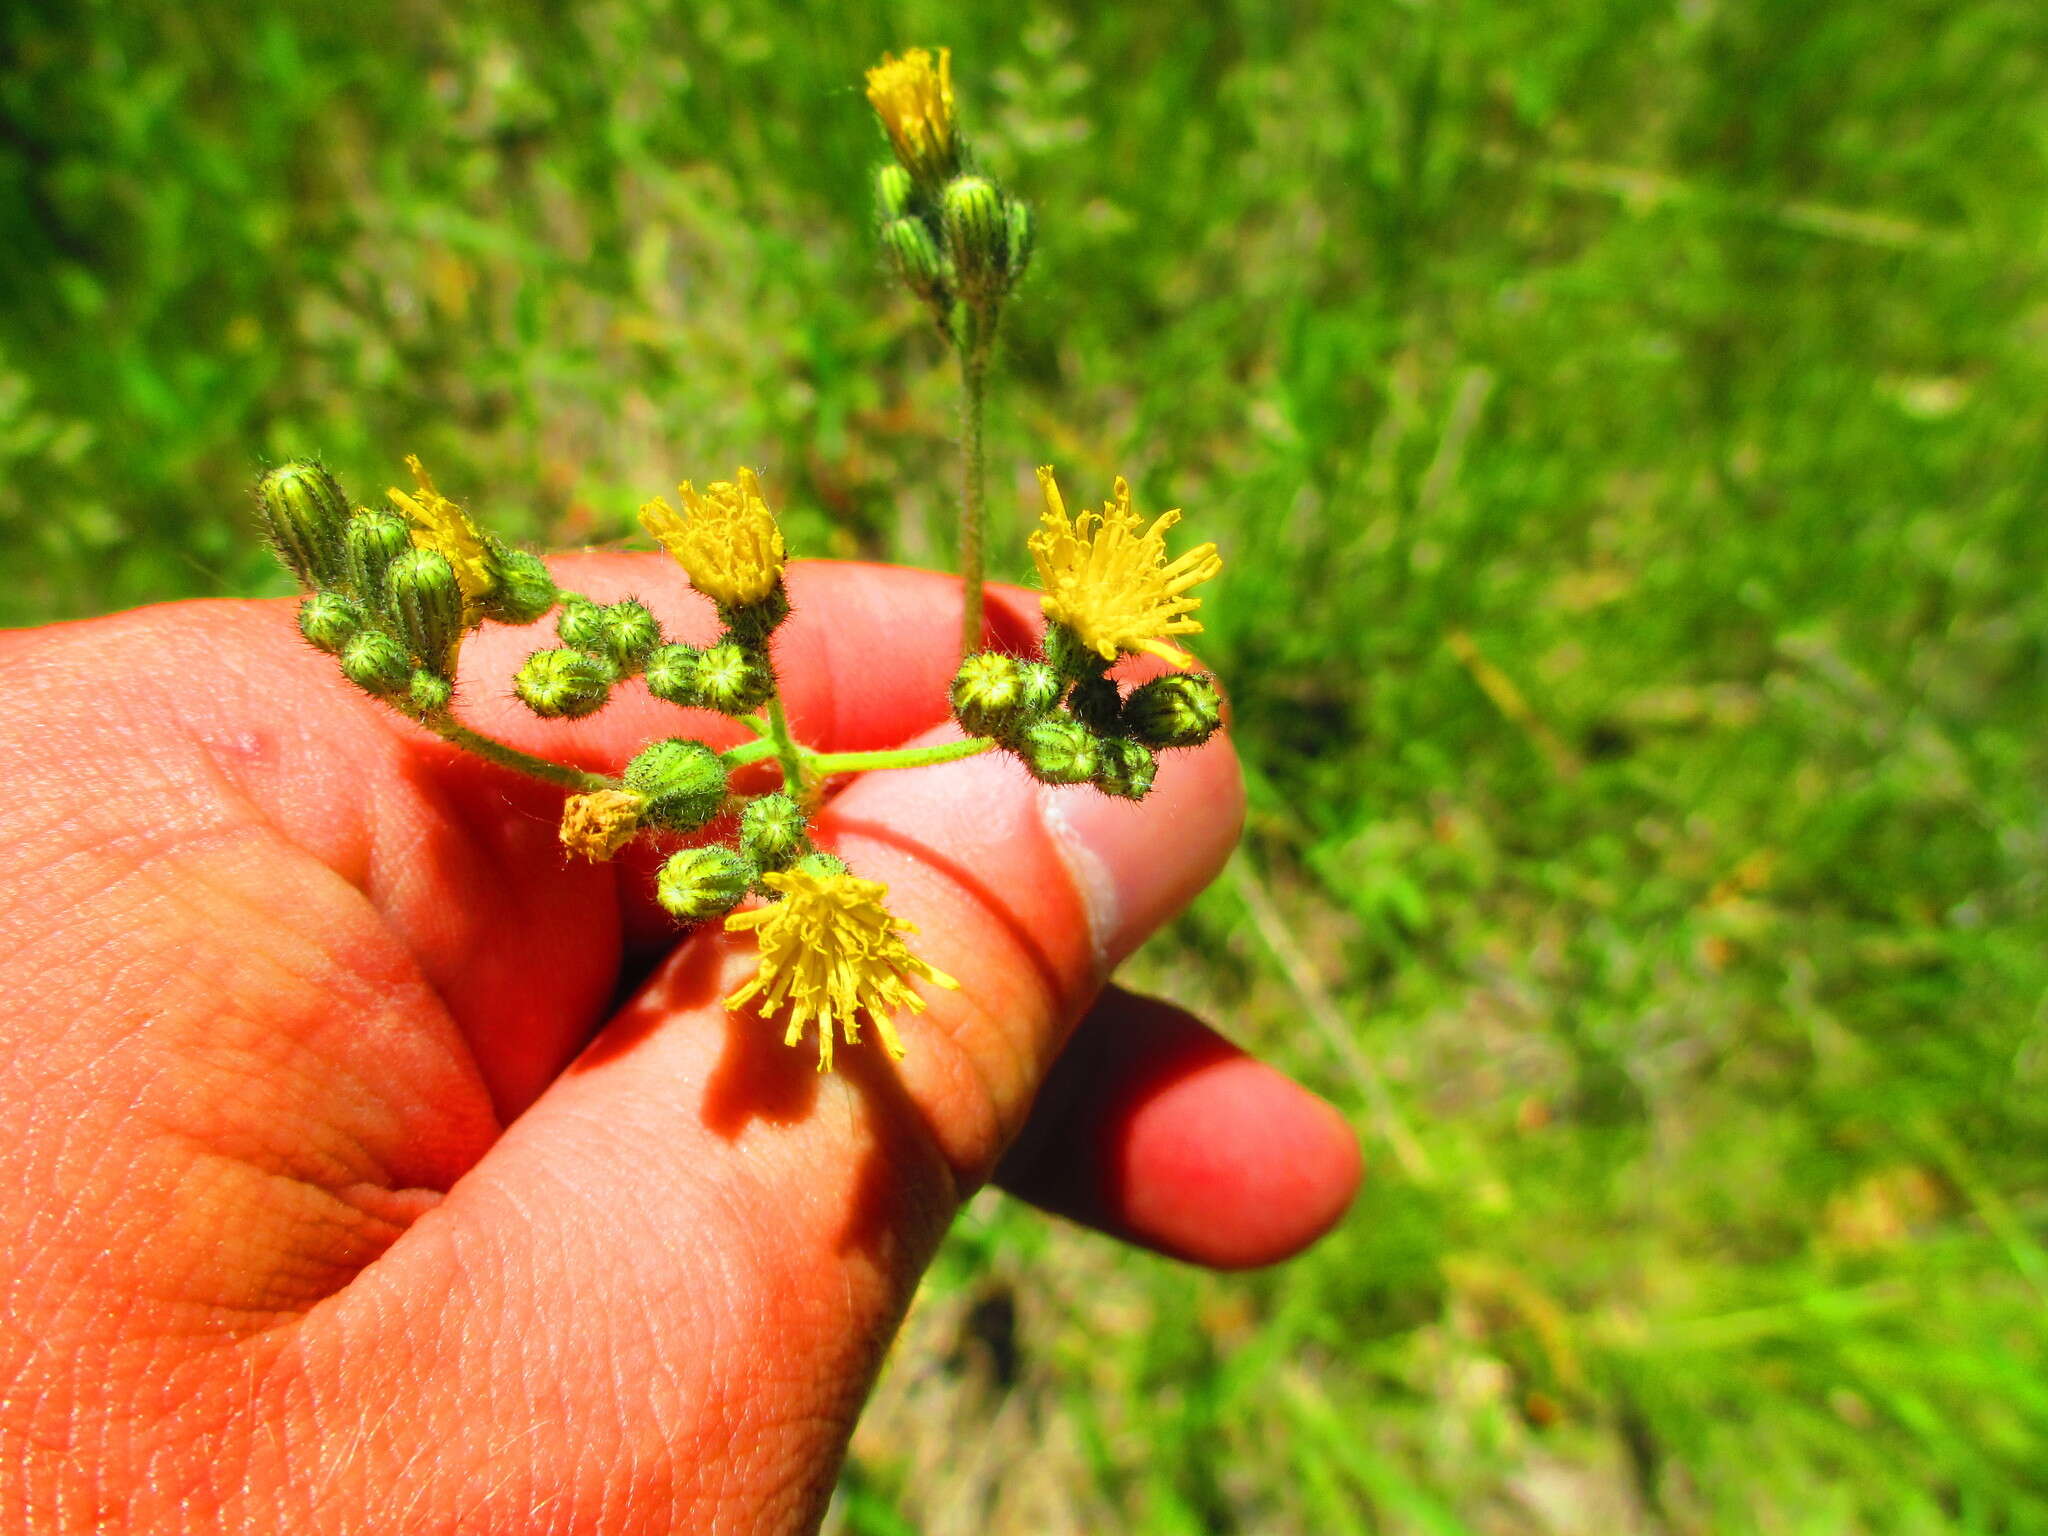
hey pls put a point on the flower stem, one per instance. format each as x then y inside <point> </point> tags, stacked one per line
<point>974,385</point>
<point>749,752</point>
<point>787,752</point>
<point>823,763</point>
<point>449,729</point>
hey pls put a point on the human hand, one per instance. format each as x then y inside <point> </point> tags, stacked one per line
<point>372,1167</point>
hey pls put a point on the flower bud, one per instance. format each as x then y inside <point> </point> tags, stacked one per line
<point>1039,686</point>
<point>683,783</point>
<point>425,601</point>
<point>1181,709</point>
<point>1059,750</point>
<point>581,626</point>
<point>733,679</point>
<point>703,882</point>
<point>429,692</point>
<point>630,632</point>
<point>564,683</point>
<point>821,866</point>
<point>676,673</point>
<point>1071,656</point>
<point>988,694</point>
<point>977,236</point>
<point>1023,236</point>
<point>1126,769</point>
<point>372,541</point>
<point>915,257</point>
<point>752,623</point>
<point>526,591</point>
<point>306,515</point>
<point>330,620</point>
<point>1096,704</point>
<point>376,663</point>
<point>772,830</point>
<point>893,186</point>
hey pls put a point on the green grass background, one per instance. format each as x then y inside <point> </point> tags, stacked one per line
<point>1627,429</point>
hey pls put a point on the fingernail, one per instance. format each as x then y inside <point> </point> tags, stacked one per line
<point>1138,863</point>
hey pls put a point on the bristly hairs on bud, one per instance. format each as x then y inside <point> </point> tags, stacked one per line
<point>564,683</point>
<point>306,515</point>
<point>330,620</point>
<point>773,831</point>
<point>682,781</point>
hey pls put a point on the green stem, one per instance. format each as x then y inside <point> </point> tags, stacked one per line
<point>787,752</point>
<point>748,752</point>
<point>448,728</point>
<point>823,763</point>
<point>973,380</point>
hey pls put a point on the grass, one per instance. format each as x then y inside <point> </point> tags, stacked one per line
<point>1624,427</point>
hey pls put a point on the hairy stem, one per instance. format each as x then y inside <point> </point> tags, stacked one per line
<point>449,729</point>
<point>749,752</point>
<point>974,387</point>
<point>823,763</point>
<point>787,752</point>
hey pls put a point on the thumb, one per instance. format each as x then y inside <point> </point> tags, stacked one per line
<point>693,1247</point>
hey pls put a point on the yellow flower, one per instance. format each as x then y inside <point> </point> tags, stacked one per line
<point>599,824</point>
<point>439,524</point>
<point>914,100</point>
<point>729,545</point>
<point>1106,577</point>
<point>831,951</point>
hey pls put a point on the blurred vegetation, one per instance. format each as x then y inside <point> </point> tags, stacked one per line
<point>1625,425</point>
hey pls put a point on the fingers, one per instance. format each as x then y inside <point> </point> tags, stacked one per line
<point>1156,1130</point>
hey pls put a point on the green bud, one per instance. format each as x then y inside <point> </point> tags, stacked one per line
<point>977,236</point>
<point>564,682</point>
<point>893,187</point>
<point>371,542</point>
<point>821,866</point>
<point>376,663</point>
<point>733,679</point>
<point>1181,709</point>
<point>430,692</point>
<point>630,632</point>
<point>772,830</point>
<point>425,601</point>
<point>676,673</point>
<point>1040,687</point>
<point>1023,233</point>
<point>988,694</point>
<point>330,620</point>
<point>1060,750</point>
<point>752,623</point>
<point>525,589</point>
<point>581,626</point>
<point>703,882</point>
<point>684,783</point>
<point>1069,657</point>
<point>1126,769</point>
<point>1097,705</point>
<point>915,257</point>
<point>306,514</point>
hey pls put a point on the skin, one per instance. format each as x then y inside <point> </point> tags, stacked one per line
<point>371,1167</point>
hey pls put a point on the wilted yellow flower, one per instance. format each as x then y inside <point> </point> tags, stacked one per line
<point>1106,577</point>
<point>599,824</point>
<point>729,545</point>
<point>914,100</point>
<point>831,951</point>
<point>441,525</point>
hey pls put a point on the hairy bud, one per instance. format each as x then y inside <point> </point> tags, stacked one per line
<point>1039,686</point>
<point>752,623</point>
<point>1126,769</point>
<point>733,679</point>
<point>703,882</point>
<point>893,189</point>
<point>525,589</point>
<point>429,693</point>
<point>306,514</point>
<point>988,694</point>
<point>581,626</point>
<point>676,673</point>
<point>377,663</point>
<point>425,601</point>
<point>977,237</point>
<point>630,632</point>
<point>330,620</point>
<point>772,830</point>
<point>1181,709</point>
<point>1071,656</point>
<point>1096,704</point>
<point>682,781</point>
<point>1023,236</point>
<point>373,540</point>
<point>915,256</point>
<point>564,683</point>
<point>1060,750</point>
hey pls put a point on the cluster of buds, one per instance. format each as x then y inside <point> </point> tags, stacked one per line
<point>391,593</point>
<point>954,237</point>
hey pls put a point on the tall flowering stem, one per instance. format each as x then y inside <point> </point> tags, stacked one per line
<point>973,494</point>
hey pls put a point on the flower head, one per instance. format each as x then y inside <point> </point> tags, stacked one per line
<point>914,99</point>
<point>439,524</point>
<point>1106,576</point>
<point>599,824</point>
<point>829,952</point>
<point>729,545</point>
